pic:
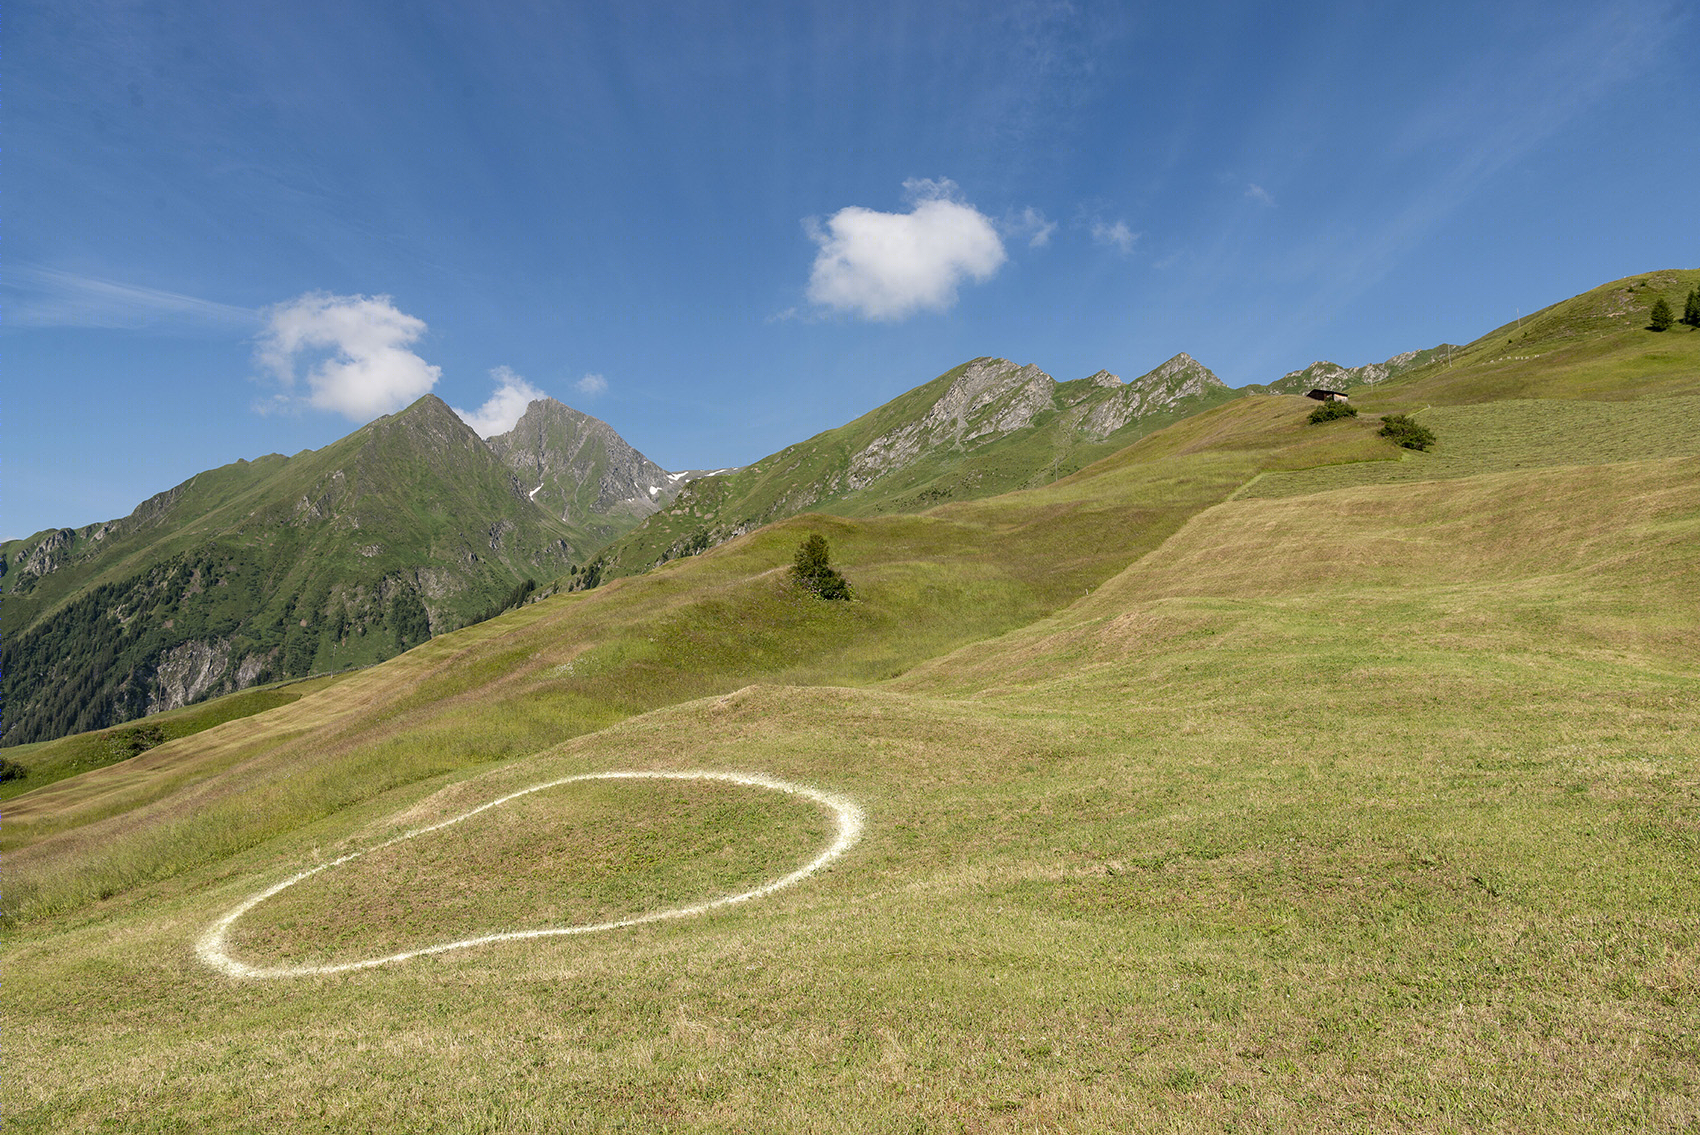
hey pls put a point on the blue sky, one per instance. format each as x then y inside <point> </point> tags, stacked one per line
<point>231,230</point>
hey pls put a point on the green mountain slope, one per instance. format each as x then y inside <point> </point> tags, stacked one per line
<point>266,569</point>
<point>1593,346</point>
<point>984,428</point>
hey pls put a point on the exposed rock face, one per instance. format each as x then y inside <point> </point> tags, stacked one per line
<point>1181,377</point>
<point>265,569</point>
<point>68,546</point>
<point>200,668</point>
<point>187,672</point>
<point>985,427</point>
<point>993,398</point>
<point>47,555</point>
<point>578,468</point>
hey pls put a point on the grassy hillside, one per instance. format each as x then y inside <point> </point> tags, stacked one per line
<point>1593,346</point>
<point>42,763</point>
<point>1189,805</point>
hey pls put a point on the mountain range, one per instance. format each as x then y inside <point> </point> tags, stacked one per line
<point>286,566</point>
<point>413,525</point>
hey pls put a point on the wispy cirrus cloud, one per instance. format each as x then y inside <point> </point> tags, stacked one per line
<point>591,385</point>
<point>355,349</point>
<point>888,266</point>
<point>48,297</point>
<point>1257,193</point>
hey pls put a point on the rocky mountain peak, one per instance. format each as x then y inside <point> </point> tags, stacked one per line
<point>579,469</point>
<point>1181,377</point>
<point>1182,370</point>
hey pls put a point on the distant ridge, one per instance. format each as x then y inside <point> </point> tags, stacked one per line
<point>1332,376</point>
<point>983,428</point>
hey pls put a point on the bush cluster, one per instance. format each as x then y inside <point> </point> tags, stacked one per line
<point>1403,431</point>
<point>122,744</point>
<point>1329,411</point>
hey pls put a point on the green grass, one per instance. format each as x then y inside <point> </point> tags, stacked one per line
<point>1594,346</point>
<point>1498,437</point>
<point>579,854</point>
<point>1190,806</point>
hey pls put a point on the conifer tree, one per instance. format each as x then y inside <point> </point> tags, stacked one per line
<point>1660,317</point>
<point>813,570</point>
<point>1691,308</point>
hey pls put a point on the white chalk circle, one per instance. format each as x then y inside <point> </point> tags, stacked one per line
<point>211,949</point>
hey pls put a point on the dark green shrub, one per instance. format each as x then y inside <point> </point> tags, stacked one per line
<point>1329,411</point>
<point>813,570</point>
<point>1403,431</point>
<point>12,770</point>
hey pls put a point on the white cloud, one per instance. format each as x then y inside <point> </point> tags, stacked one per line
<point>364,367</point>
<point>591,385</point>
<point>1117,236</point>
<point>502,410</point>
<point>1258,193</point>
<point>1033,225</point>
<point>891,265</point>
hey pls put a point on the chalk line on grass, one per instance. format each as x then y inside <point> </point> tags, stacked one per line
<point>212,950</point>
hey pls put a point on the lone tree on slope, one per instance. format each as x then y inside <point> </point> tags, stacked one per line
<point>1660,317</point>
<point>814,572</point>
<point>1691,308</point>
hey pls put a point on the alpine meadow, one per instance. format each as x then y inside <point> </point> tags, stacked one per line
<point>1167,761</point>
